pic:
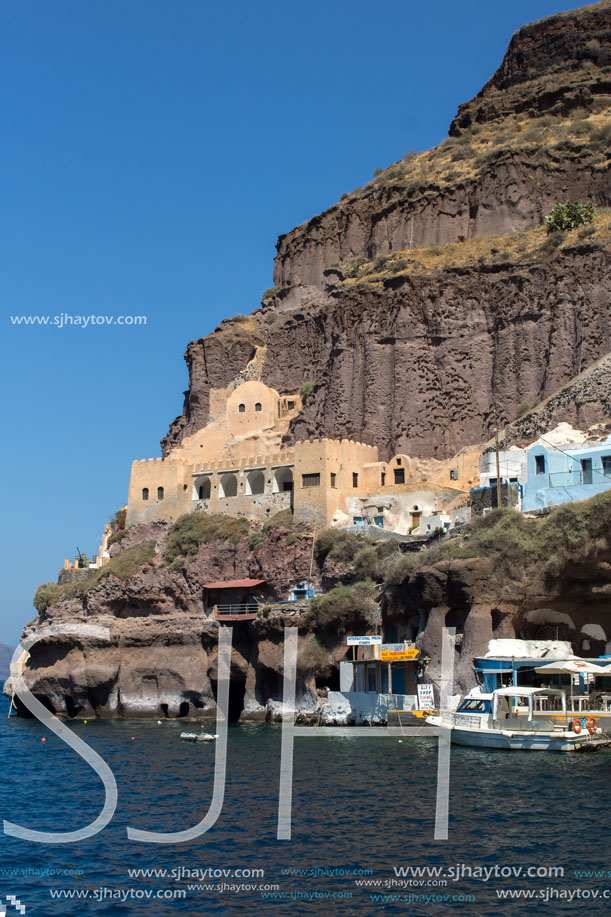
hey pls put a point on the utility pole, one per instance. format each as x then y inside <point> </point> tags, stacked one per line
<point>498,464</point>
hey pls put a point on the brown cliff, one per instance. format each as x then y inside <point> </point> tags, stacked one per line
<point>411,359</point>
<point>413,362</point>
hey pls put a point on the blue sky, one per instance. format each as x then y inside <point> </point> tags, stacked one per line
<point>151,154</point>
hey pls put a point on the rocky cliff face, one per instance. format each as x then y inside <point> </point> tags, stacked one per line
<point>407,347</point>
<point>559,68</point>
<point>161,659</point>
<point>554,66</point>
<point>412,360</point>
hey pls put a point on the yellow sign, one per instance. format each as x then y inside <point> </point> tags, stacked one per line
<point>387,656</point>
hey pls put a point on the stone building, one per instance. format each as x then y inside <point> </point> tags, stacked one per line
<point>239,465</point>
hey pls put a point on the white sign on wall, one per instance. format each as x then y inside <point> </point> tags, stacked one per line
<point>364,641</point>
<point>426,697</point>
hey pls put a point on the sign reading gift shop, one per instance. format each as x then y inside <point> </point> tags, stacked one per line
<point>396,652</point>
<point>426,697</point>
<point>364,641</point>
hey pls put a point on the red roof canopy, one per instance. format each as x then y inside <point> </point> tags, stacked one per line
<point>235,584</point>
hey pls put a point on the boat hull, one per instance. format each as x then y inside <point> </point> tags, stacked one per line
<point>526,741</point>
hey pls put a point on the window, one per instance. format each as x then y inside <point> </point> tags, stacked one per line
<point>310,480</point>
<point>475,706</point>
<point>333,479</point>
<point>160,493</point>
<point>453,475</point>
<point>358,520</point>
<point>258,406</point>
<point>606,460</point>
<point>145,493</point>
<point>290,405</point>
<point>379,521</point>
<point>399,475</point>
<point>355,479</point>
<point>539,464</point>
<point>241,408</point>
<point>586,471</point>
<point>513,480</point>
<point>383,478</point>
<point>398,461</point>
<point>371,678</point>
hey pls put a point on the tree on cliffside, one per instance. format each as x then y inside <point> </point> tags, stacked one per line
<point>570,216</point>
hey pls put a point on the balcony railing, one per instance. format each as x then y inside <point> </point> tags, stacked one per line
<point>245,612</point>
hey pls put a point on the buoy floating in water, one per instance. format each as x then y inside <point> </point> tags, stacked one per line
<point>43,740</point>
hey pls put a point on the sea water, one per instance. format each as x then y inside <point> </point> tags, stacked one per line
<point>363,817</point>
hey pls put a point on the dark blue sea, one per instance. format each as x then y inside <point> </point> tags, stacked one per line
<point>362,827</point>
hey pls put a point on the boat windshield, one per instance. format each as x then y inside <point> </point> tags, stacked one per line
<point>472,705</point>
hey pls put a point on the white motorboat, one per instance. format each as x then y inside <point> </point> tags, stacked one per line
<point>198,736</point>
<point>525,718</point>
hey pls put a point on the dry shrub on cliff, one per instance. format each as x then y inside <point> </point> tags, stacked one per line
<point>515,543</point>
<point>123,566</point>
<point>399,567</point>
<point>507,538</point>
<point>283,519</point>
<point>573,532</point>
<point>45,595</point>
<point>346,606</point>
<point>313,659</point>
<point>337,544</point>
<point>193,529</point>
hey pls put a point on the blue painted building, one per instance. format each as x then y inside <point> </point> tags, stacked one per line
<point>562,474</point>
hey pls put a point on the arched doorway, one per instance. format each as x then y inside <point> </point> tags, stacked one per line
<point>283,480</point>
<point>228,486</point>
<point>201,488</point>
<point>255,483</point>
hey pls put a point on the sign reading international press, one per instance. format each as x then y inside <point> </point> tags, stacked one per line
<point>396,652</point>
<point>364,641</point>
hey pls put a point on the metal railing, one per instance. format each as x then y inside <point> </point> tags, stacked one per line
<point>239,609</point>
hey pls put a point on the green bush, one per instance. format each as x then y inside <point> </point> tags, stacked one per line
<point>367,564</point>
<point>118,536</point>
<point>337,544</point>
<point>283,519</point>
<point>255,540</point>
<point>117,520</point>
<point>46,594</point>
<point>347,606</point>
<point>313,659</point>
<point>193,529</point>
<point>124,565</point>
<point>306,389</point>
<point>569,216</point>
<point>291,539</point>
